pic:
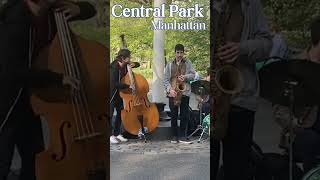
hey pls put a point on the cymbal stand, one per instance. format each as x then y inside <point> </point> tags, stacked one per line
<point>199,127</point>
<point>202,128</point>
<point>289,91</point>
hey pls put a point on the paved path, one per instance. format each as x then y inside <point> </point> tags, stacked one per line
<point>160,160</point>
<point>185,166</point>
<point>161,147</point>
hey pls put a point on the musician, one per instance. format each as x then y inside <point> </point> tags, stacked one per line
<point>18,124</point>
<point>279,46</point>
<point>206,102</point>
<point>204,99</point>
<point>172,68</point>
<point>306,146</point>
<point>247,39</point>
<point>118,71</point>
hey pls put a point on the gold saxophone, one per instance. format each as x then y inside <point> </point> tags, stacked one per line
<point>176,84</point>
<point>226,79</point>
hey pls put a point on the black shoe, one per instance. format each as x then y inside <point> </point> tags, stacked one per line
<point>174,140</point>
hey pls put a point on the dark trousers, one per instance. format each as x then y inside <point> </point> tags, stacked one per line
<point>184,116</point>
<point>22,130</point>
<point>117,104</point>
<point>215,144</point>
<point>306,148</point>
<point>237,144</point>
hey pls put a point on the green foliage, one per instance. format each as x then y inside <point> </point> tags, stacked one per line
<point>293,14</point>
<point>147,73</point>
<point>137,34</point>
<point>197,43</point>
<point>294,18</point>
<point>90,31</point>
<point>139,37</point>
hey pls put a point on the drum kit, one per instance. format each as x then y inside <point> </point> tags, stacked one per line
<point>290,82</point>
<point>201,89</point>
<point>313,174</point>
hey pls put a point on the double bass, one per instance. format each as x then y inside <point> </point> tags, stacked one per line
<point>76,119</point>
<point>139,116</point>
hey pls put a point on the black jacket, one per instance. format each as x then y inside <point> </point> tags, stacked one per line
<point>115,80</point>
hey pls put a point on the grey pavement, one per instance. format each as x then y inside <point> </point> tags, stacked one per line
<point>160,160</point>
<point>184,166</point>
<point>154,147</point>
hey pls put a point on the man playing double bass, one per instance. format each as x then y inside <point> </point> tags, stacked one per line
<point>18,47</point>
<point>179,72</point>
<point>118,71</point>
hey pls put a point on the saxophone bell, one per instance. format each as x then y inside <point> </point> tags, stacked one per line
<point>180,85</point>
<point>229,79</point>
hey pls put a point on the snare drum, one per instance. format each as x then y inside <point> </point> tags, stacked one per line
<point>206,124</point>
<point>313,174</point>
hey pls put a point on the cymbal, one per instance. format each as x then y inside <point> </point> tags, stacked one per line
<point>306,73</point>
<point>134,64</point>
<point>200,87</point>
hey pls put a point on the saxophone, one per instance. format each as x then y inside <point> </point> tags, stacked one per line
<point>176,84</point>
<point>226,79</point>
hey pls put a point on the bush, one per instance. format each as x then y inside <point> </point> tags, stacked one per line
<point>90,31</point>
<point>147,73</point>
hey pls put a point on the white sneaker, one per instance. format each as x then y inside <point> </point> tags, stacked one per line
<point>121,138</point>
<point>174,142</point>
<point>113,140</point>
<point>185,142</point>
